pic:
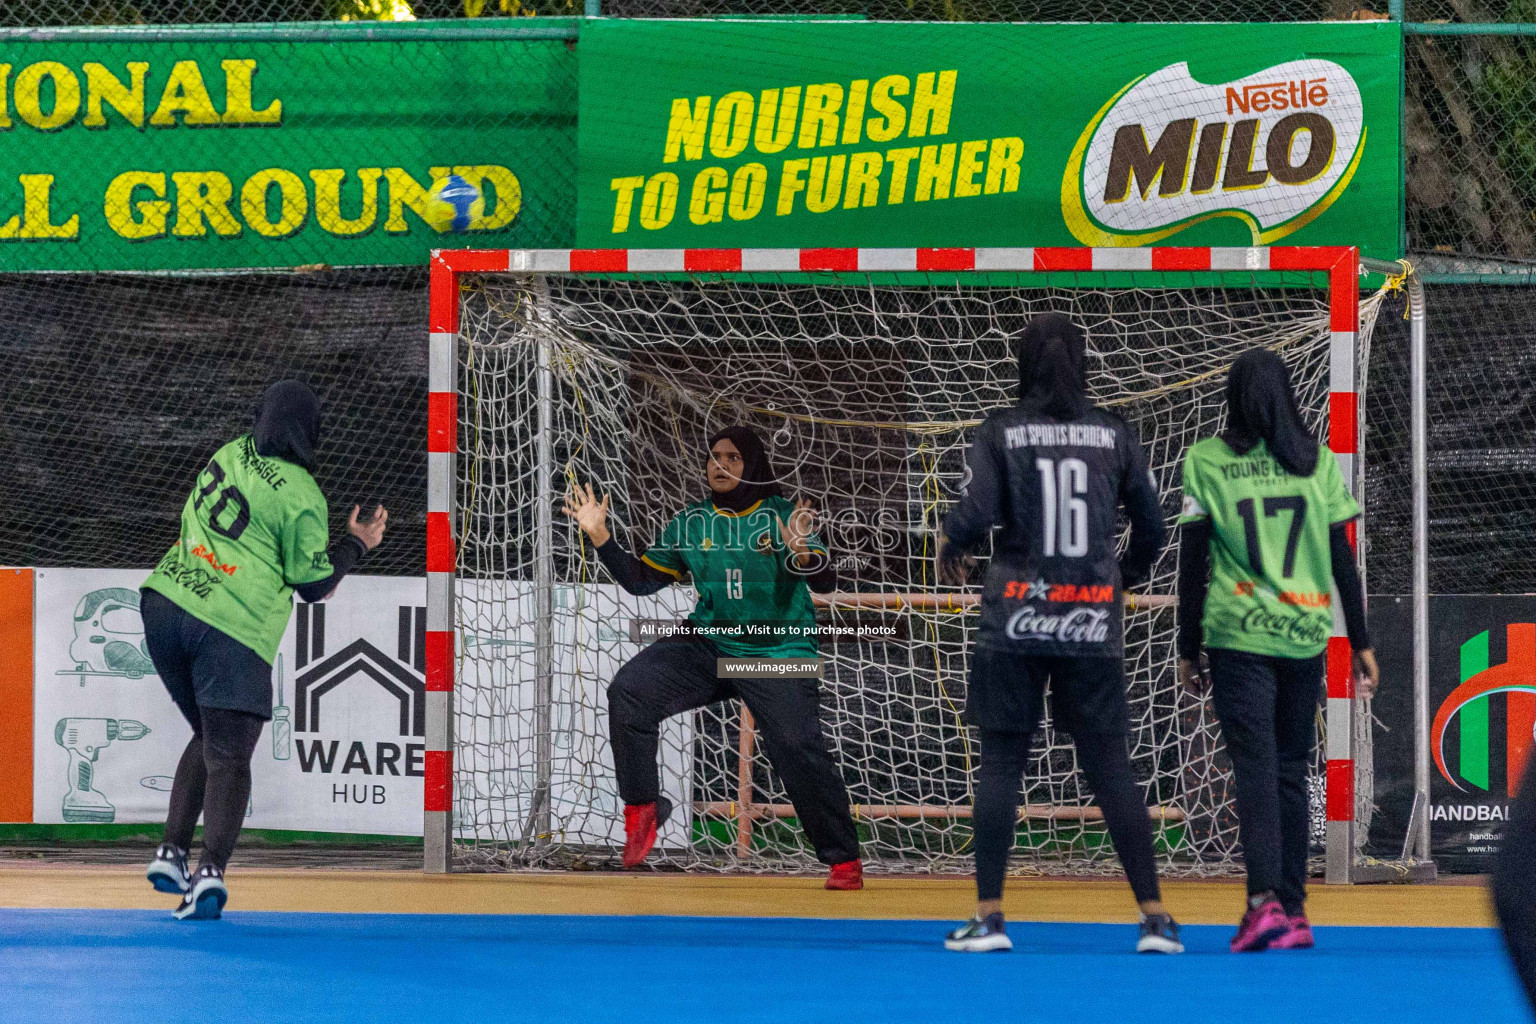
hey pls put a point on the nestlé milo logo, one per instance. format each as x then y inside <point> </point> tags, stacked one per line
<point>1273,150</point>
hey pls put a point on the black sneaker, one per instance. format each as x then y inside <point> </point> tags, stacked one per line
<point>168,871</point>
<point>205,900</point>
<point>980,935</point>
<point>1159,934</point>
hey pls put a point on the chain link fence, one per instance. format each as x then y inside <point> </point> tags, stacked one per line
<point>1470,139</point>
<point>1481,419</point>
<point>26,13</point>
<point>119,386</point>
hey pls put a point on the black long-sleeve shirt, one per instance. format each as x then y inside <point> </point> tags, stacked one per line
<point>1194,578</point>
<point>1053,489</point>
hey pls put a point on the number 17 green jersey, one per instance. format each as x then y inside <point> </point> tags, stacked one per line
<point>1271,572</point>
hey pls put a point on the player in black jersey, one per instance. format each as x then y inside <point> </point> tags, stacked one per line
<point>1049,475</point>
<point>1514,883</point>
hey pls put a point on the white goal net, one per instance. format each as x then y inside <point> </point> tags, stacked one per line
<point>866,389</point>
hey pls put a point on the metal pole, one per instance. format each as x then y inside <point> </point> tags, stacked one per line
<point>1417,368</point>
<point>1470,28</point>
<point>1416,847</point>
<point>544,577</point>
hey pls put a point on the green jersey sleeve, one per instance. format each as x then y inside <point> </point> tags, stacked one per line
<point>1342,506</point>
<point>1196,502</point>
<point>306,536</point>
<point>667,553</point>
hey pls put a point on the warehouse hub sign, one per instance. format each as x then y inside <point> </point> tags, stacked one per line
<point>269,154</point>
<point>850,134</point>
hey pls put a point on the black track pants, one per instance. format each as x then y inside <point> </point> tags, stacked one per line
<point>673,676</point>
<point>1087,698</point>
<point>1107,767</point>
<point>213,778</point>
<point>1267,707</point>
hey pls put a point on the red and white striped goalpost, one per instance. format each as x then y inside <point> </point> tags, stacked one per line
<point>1341,264</point>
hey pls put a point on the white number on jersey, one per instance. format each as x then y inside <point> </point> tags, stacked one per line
<point>1065,522</point>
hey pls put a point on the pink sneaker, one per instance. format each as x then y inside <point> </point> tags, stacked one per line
<point>1298,934</point>
<point>1260,926</point>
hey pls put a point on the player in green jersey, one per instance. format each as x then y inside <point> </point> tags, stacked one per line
<point>753,558</point>
<point>253,531</point>
<point>1265,527</point>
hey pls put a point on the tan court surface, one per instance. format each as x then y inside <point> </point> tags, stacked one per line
<point>1204,902</point>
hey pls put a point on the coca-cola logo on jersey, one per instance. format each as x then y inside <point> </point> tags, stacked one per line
<point>1080,625</point>
<point>1295,628</point>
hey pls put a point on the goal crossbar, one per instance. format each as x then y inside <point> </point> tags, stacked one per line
<point>1341,265</point>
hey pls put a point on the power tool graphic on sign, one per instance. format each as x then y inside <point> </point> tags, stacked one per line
<point>109,637</point>
<point>84,738</point>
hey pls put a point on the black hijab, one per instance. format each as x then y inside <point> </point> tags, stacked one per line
<point>758,480</point>
<point>1261,406</point>
<point>1052,353</point>
<point>288,423</point>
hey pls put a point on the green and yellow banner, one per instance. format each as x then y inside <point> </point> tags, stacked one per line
<point>736,134</point>
<point>145,154</point>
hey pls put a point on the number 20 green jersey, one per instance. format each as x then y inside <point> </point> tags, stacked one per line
<point>252,529</point>
<point>1271,572</point>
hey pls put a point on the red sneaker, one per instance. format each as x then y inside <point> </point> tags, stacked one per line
<point>1297,936</point>
<point>1261,925</point>
<point>640,824</point>
<point>848,876</point>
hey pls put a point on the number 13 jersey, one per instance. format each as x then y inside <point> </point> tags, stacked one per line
<point>1271,573</point>
<point>252,530</point>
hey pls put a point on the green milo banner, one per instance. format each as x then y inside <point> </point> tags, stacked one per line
<point>150,155</point>
<point>731,134</point>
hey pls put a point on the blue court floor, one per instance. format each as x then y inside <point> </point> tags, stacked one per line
<point>123,967</point>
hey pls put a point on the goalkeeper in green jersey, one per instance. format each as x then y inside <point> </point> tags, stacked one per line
<point>253,531</point>
<point>753,558</point>
<point>1264,533</point>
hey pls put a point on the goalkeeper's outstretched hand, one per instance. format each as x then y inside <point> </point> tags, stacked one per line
<point>370,532</point>
<point>590,514</point>
<point>796,530</point>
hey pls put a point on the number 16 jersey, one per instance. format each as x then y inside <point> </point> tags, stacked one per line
<point>1053,489</point>
<point>1271,572</point>
<point>252,530</point>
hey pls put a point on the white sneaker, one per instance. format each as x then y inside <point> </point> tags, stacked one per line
<point>168,871</point>
<point>205,900</point>
<point>980,935</point>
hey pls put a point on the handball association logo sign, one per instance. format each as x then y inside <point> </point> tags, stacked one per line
<point>1469,704</point>
<point>1272,150</point>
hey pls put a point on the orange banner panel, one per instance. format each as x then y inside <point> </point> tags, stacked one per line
<point>16,695</point>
